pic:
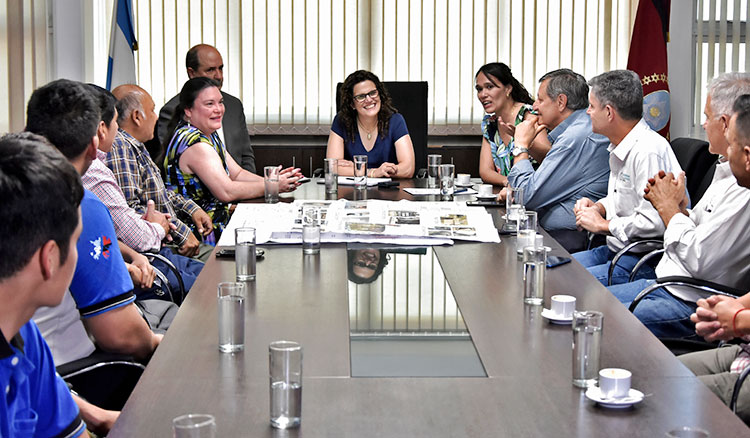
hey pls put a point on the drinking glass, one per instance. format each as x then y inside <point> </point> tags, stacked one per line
<point>433,166</point>
<point>331,168</point>
<point>244,253</point>
<point>587,340</point>
<point>285,369</point>
<point>231,306</point>
<point>513,203</point>
<point>360,171</point>
<point>194,426</point>
<point>271,181</point>
<point>526,230</point>
<point>447,182</point>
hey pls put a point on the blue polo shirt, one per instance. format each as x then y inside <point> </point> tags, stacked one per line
<point>384,150</point>
<point>101,281</point>
<point>37,402</point>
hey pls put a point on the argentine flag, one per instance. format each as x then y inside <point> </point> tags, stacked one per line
<point>122,44</point>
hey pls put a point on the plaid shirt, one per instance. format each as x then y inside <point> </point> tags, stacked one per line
<point>131,228</point>
<point>140,180</point>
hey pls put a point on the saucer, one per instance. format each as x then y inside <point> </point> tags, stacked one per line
<point>554,318</point>
<point>464,185</point>
<point>486,197</point>
<point>595,394</point>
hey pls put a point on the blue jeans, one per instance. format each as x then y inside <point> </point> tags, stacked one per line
<point>597,262</point>
<point>189,270</point>
<point>663,314</point>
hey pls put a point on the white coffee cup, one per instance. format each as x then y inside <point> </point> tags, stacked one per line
<point>463,179</point>
<point>485,190</point>
<point>614,382</point>
<point>563,305</point>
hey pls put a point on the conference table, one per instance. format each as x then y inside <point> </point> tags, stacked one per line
<point>526,390</point>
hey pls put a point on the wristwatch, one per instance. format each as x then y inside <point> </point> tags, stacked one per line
<point>517,150</point>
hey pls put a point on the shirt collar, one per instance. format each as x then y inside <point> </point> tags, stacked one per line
<point>5,350</point>
<point>622,150</point>
<point>559,129</point>
<point>101,155</point>
<point>130,139</point>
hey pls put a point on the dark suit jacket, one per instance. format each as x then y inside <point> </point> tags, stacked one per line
<point>234,125</point>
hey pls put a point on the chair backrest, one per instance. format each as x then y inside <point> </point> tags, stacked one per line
<point>410,99</point>
<point>697,162</point>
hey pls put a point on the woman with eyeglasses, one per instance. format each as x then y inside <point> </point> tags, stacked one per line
<point>507,103</point>
<point>367,124</point>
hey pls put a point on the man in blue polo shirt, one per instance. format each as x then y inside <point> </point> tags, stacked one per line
<point>41,192</point>
<point>66,114</point>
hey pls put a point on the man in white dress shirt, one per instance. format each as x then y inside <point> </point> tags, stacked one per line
<point>711,241</point>
<point>636,154</point>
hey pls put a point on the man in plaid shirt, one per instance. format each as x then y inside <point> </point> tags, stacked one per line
<point>140,178</point>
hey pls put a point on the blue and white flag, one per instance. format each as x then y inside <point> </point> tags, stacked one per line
<point>122,44</point>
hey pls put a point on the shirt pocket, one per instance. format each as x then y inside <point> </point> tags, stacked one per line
<point>626,197</point>
<point>24,422</point>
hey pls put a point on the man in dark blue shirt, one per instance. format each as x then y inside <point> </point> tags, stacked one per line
<point>41,194</point>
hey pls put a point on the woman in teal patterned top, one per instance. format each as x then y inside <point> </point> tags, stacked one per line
<point>507,103</point>
<point>196,162</point>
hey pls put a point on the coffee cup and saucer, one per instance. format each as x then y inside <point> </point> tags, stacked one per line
<point>614,389</point>
<point>485,193</point>
<point>463,180</point>
<point>561,309</point>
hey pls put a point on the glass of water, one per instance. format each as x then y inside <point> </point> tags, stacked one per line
<point>231,317</point>
<point>310,230</point>
<point>360,171</point>
<point>331,168</point>
<point>244,253</point>
<point>526,230</point>
<point>447,181</point>
<point>285,369</point>
<point>534,274</point>
<point>587,340</point>
<point>513,203</point>
<point>433,166</point>
<point>271,182</point>
<point>194,426</point>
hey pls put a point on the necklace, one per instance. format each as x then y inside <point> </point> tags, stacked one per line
<point>369,133</point>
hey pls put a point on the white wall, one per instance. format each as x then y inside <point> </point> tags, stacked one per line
<point>68,42</point>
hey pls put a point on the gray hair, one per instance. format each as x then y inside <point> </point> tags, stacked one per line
<point>129,103</point>
<point>620,89</point>
<point>724,89</point>
<point>571,84</point>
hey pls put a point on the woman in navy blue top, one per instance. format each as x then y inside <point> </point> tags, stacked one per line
<point>368,124</point>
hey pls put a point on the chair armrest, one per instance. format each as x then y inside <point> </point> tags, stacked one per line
<point>645,259</point>
<point>703,287</point>
<point>720,289</point>
<point>628,248</point>
<point>156,256</point>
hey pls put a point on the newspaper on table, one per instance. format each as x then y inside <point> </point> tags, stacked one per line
<point>369,221</point>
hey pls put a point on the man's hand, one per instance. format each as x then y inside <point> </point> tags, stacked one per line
<point>502,195</point>
<point>526,131</point>
<point>714,317</point>
<point>144,278</point>
<point>582,203</point>
<point>590,219</point>
<point>190,247</point>
<point>667,194</point>
<point>203,222</point>
<point>159,218</point>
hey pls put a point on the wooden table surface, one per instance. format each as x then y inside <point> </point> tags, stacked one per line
<point>528,391</point>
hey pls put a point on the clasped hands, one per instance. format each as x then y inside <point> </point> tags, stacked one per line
<point>386,170</point>
<point>667,194</point>
<point>714,317</point>
<point>590,217</point>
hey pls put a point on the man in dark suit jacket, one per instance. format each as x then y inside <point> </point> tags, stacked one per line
<point>205,60</point>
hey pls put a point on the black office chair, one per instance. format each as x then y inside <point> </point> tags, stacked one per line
<point>410,99</point>
<point>637,246</point>
<point>104,379</point>
<point>697,162</point>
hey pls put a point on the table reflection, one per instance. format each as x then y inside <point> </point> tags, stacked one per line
<point>403,318</point>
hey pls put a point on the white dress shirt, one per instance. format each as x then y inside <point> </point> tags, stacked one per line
<point>638,157</point>
<point>714,242</point>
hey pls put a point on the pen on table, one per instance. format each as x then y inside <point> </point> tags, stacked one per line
<point>460,191</point>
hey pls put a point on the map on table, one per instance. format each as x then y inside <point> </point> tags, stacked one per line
<point>369,221</point>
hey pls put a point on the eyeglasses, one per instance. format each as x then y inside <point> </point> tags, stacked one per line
<point>365,264</point>
<point>361,97</point>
